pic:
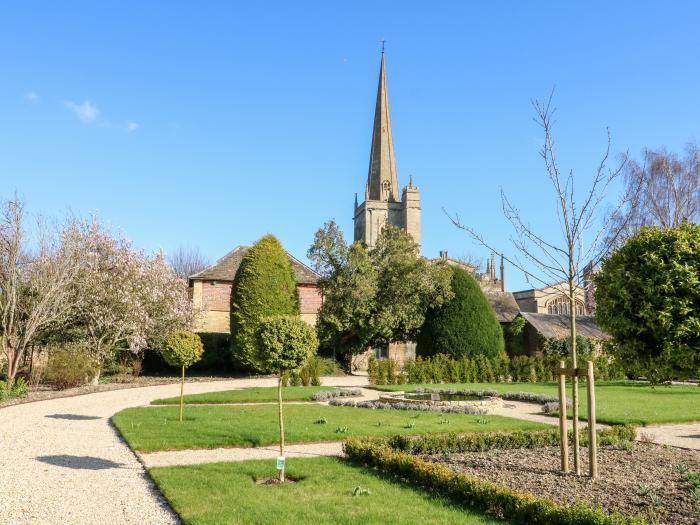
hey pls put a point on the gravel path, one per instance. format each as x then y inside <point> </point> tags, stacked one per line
<point>62,462</point>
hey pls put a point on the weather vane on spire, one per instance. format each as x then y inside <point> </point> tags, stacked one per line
<point>382,41</point>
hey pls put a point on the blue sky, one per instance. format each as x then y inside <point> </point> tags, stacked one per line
<point>210,124</point>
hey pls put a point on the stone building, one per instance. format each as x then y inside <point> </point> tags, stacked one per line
<point>550,300</point>
<point>542,326</point>
<point>382,204</point>
<point>211,291</point>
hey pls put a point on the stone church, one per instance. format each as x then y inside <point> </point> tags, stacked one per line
<point>382,204</point>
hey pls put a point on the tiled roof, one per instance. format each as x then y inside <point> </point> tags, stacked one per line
<point>556,326</point>
<point>225,268</point>
<point>503,303</point>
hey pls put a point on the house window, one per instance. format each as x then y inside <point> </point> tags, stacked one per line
<point>560,305</point>
<point>381,352</point>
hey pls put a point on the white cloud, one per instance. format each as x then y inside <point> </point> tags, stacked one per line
<point>132,126</point>
<point>87,111</point>
<point>31,96</point>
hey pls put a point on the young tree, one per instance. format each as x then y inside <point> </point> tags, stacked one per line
<point>35,280</point>
<point>186,261</point>
<point>465,326</point>
<point>668,188</point>
<point>374,297</point>
<point>285,344</point>
<point>182,349</point>
<point>648,297</point>
<point>264,286</point>
<point>559,263</point>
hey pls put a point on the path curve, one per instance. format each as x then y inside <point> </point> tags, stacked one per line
<point>62,462</point>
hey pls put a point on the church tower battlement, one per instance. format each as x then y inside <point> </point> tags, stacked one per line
<point>381,204</point>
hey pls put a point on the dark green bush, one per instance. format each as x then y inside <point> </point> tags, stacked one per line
<point>486,496</point>
<point>465,326</point>
<point>264,286</point>
<point>69,366</point>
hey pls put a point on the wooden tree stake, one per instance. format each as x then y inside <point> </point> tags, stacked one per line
<point>563,432</point>
<point>592,436</point>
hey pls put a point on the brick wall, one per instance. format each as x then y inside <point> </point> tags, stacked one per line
<point>214,298</point>
<point>310,299</point>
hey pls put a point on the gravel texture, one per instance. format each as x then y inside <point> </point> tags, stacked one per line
<point>641,481</point>
<point>62,462</point>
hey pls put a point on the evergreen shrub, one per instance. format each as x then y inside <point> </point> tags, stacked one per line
<point>465,326</point>
<point>264,286</point>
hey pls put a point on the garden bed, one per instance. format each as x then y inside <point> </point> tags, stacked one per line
<point>646,480</point>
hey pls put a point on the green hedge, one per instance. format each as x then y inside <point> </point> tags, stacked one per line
<point>488,497</point>
<point>622,435</point>
<point>216,358</point>
<point>480,369</point>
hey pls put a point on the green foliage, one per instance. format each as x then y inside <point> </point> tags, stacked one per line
<point>619,435</point>
<point>373,297</point>
<point>182,349</point>
<point>481,369</point>
<point>648,299</point>
<point>561,347</point>
<point>286,343</point>
<point>514,336</point>
<point>13,389</point>
<point>264,286</point>
<point>309,374</point>
<point>479,494</point>
<point>69,366</point>
<point>466,325</point>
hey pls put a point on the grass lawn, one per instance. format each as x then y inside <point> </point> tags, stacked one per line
<point>247,395</point>
<point>149,429</point>
<point>223,493</point>
<point>617,402</point>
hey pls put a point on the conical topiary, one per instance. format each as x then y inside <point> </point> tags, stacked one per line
<point>264,286</point>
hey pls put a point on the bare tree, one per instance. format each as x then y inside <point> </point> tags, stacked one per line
<point>186,261</point>
<point>559,263</point>
<point>34,282</point>
<point>669,190</point>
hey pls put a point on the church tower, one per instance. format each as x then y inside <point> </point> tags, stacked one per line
<point>382,204</point>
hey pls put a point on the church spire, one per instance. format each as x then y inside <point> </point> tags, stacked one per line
<point>381,180</point>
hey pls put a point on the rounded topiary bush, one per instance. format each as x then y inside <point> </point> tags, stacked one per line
<point>648,298</point>
<point>465,326</point>
<point>286,343</point>
<point>182,349</point>
<point>264,286</point>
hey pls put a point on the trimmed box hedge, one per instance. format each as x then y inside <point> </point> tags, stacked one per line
<point>454,443</point>
<point>488,497</point>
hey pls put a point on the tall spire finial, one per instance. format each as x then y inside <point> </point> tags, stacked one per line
<point>381,180</point>
<point>382,41</point>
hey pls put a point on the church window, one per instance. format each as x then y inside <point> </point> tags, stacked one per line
<point>560,305</point>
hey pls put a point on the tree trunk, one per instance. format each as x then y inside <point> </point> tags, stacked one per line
<point>574,382</point>
<point>279,400</point>
<point>182,392</point>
